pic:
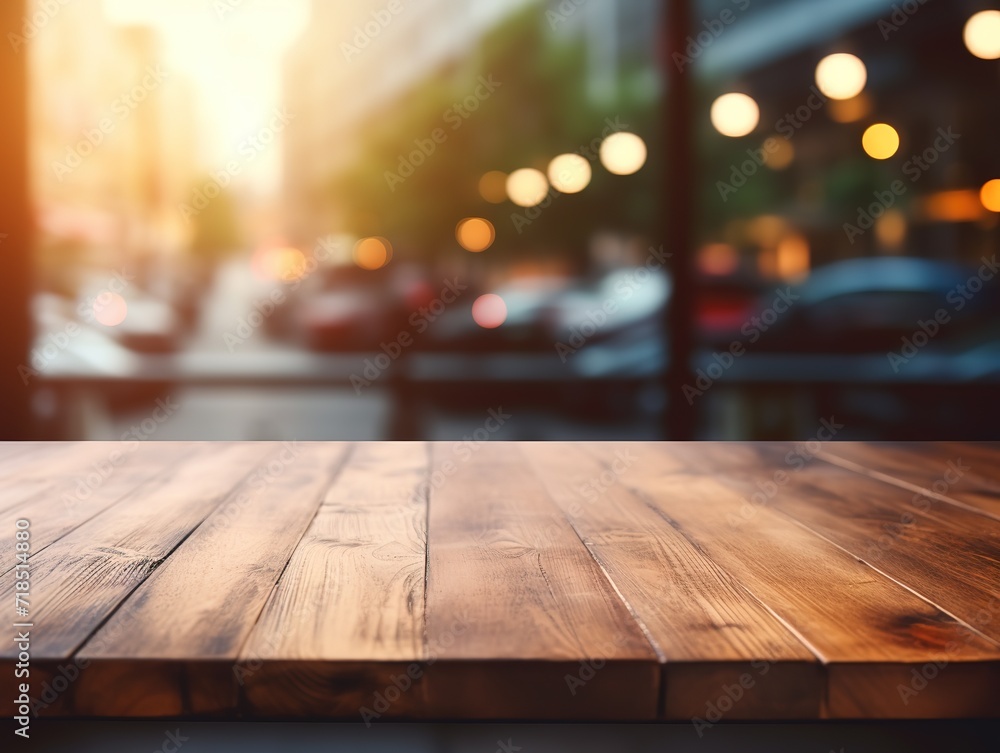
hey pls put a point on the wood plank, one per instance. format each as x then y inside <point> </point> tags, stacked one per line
<point>711,632</point>
<point>871,632</point>
<point>188,620</point>
<point>986,452</point>
<point>58,460</point>
<point>562,582</point>
<point>9,451</point>
<point>707,457</point>
<point>58,506</point>
<point>13,452</point>
<point>517,607</point>
<point>23,493</point>
<point>347,615</point>
<point>928,468</point>
<point>79,580</point>
<point>948,555</point>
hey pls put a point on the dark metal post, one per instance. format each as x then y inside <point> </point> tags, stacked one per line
<point>679,190</point>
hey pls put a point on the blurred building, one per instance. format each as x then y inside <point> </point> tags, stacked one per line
<point>351,62</point>
<point>113,142</point>
<point>620,39</point>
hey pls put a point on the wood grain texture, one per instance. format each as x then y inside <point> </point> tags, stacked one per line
<point>966,475</point>
<point>710,632</point>
<point>57,506</point>
<point>79,580</point>
<point>947,554</point>
<point>849,614</point>
<point>514,596</point>
<point>347,615</point>
<point>50,460</point>
<point>619,581</point>
<point>197,609</point>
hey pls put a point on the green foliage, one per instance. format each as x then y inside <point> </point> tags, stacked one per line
<point>539,109</point>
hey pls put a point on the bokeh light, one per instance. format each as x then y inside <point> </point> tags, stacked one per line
<point>489,311</point>
<point>989,194</point>
<point>880,141</point>
<point>841,76</point>
<point>278,263</point>
<point>372,253</point>
<point>792,259</point>
<point>735,114</point>
<point>493,187</point>
<point>982,34</point>
<point>850,110</point>
<point>623,153</point>
<point>110,309</point>
<point>527,187</point>
<point>767,262</point>
<point>767,230</point>
<point>952,205</point>
<point>781,153</point>
<point>569,173</point>
<point>290,264</point>
<point>890,230</point>
<point>475,234</point>
<point>718,259</point>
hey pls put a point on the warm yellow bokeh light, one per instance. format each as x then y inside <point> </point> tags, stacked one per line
<point>475,234</point>
<point>841,76</point>
<point>569,173</point>
<point>766,230</point>
<point>778,153</point>
<point>623,153</point>
<point>372,253</point>
<point>110,309</point>
<point>792,260</point>
<point>954,205</point>
<point>493,187</point>
<point>281,263</point>
<point>989,194</point>
<point>527,187</point>
<point>489,311</point>
<point>890,229</point>
<point>982,34</point>
<point>293,264</point>
<point>850,110</point>
<point>735,114</point>
<point>880,141</point>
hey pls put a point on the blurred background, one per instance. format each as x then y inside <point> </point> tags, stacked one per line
<point>516,219</point>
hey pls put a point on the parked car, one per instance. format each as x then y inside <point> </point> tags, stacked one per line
<point>345,308</point>
<point>866,306</point>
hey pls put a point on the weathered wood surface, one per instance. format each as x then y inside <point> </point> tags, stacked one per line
<point>625,581</point>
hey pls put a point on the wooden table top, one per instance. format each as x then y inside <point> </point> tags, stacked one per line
<point>625,581</point>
